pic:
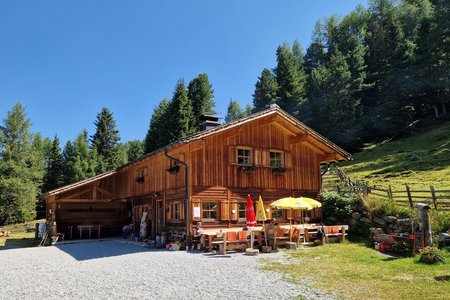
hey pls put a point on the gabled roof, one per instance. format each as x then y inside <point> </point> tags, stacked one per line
<point>274,110</point>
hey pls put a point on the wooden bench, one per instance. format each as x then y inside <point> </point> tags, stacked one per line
<point>339,231</point>
<point>277,237</point>
<point>233,241</point>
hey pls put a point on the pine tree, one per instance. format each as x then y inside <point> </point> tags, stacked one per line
<point>387,100</point>
<point>200,93</point>
<point>20,172</point>
<point>337,113</point>
<point>134,149</point>
<point>105,142</point>
<point>266,90</point>
<point>291,80</point>
<point>234,112</point>
<point>54,176</point>
<point>315,54</point>
<point>158,133</point>
<point>182,120</point>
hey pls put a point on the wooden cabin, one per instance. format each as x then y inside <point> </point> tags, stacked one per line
<point>269,153</point>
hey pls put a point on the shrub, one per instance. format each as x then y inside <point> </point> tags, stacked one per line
<point>336,206</point>
<point>431,256</point>
<point>440,221</point>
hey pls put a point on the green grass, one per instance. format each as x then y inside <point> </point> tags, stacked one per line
<point>22,235</point>
<point>354,271</point>
<point>420,161</point>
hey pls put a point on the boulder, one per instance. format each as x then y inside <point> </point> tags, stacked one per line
<point>390,219</point>
<point>379,221</point>
<point>352,222</point>
<point>381,237</point>
<point>356,215</point>
<point>365,220</point>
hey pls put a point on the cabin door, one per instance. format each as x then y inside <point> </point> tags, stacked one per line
<point>159,215</point>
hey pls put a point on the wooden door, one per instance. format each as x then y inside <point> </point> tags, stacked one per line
<point>160,222</point>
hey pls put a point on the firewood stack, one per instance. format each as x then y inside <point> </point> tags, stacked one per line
<point>4,233</point>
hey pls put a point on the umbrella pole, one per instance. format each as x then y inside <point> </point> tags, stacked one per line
<point>290,227</point>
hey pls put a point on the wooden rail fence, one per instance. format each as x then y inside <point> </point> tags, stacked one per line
<point>438,199</point>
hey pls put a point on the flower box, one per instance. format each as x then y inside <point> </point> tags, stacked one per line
<point>246,169</point>
<point>278,170</point>
<point>174,169</point>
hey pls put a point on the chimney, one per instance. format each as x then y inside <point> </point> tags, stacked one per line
<point>208,122</point>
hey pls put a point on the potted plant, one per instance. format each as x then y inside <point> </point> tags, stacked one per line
<point>246,169</point>
<point>140,179</point>
<point>174,169</point>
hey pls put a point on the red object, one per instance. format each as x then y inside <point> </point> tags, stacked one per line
<point>386,246</point>
<point>250,218</point>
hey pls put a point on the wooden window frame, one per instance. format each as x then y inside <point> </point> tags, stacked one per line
<point>250,156</point>
<point>239,210</point>
<point>176,209</point>
<point>282,211</point>
<point>283,158</point>
<point>209,210</point>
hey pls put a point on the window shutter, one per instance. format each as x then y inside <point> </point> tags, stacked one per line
<point>232,155</point>
<point>265,158</point>
<point>224,210</point>
<point>182,210</point>
<point>235,208</point>
<point>168,211</point>
<point>257,159</point>
<point>196,203</point>
<point>288,159</point>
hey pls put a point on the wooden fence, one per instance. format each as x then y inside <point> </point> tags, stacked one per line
<point>438,199</point>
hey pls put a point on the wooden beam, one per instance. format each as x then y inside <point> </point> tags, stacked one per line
<point>298,139</point>
<point>233,132</point>
<point>268,121</point>
<point>85,200</point>
<point>106,193</point>
<point>78,193</point>
<point>284,128</point>
<point>329,157</point>
<point>314,148</point>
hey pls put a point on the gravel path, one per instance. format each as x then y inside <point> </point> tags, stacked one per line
<point>112,270</point>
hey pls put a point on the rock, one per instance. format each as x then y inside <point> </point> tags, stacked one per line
<point>356,215</point>
<point>365,220</point>
<point>379,221</point>
<point>376,231</point>
<point>381,237</point>
<point>390,219</point>
<point>352,222</point>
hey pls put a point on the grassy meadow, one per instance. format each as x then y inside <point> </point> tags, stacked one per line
<point>22,235</point>
<point>355,271</point>
<point>420,161</point>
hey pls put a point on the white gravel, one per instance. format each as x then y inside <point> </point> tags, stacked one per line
<point>114,270</point>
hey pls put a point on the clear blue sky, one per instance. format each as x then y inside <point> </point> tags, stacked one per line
<point>65,60</point>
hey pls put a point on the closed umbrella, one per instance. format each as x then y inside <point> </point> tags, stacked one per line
<point>250,218</point>
<point>261,214</point>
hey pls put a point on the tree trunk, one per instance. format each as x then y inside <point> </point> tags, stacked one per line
<point>436,111</point>
<point>444,108</point>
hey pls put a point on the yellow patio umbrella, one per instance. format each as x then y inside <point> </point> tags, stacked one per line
<point>291,203</point>
<point>301,203</point>
<point>261,214</point>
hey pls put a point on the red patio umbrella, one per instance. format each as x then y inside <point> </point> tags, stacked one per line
<point>250,218</point>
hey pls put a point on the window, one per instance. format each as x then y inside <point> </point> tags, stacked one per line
<point>277,213</point>
<point>242,210</point>
<point>176,213</point>
<point>244,157</point>
<point>276,159</point>
<point>209,211</point>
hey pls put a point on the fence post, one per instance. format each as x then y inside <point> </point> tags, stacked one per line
<point>389,193</point>
<point>408,192</point>
<point>433,195</point>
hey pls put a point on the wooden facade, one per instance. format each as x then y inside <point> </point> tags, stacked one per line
<point>218,185</point>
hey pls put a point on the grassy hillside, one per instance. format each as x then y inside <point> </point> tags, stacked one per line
<point>420,160</point>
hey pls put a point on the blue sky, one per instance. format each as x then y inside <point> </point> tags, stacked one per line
<point>65,60</point>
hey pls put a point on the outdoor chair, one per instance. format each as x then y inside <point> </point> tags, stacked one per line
<point>278,238</point>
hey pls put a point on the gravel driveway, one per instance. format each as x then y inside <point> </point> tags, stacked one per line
<point>113,270</point>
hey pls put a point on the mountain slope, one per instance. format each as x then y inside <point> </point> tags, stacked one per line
<point>420,161</point>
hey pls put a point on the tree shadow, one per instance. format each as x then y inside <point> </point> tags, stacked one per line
<point>442,278</point>
<point>16,243</point>
<point>102,249</point>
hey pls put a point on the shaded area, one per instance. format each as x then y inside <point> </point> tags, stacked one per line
<point>101,249</point>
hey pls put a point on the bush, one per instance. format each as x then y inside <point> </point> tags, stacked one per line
<point>440,221</point>
<point>336,206</point>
